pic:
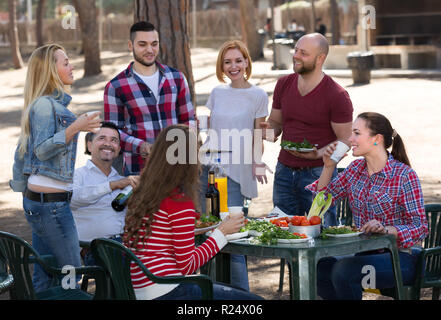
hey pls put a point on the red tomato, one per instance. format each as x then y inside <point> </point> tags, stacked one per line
<point>198,215</point>
<point>305,223</point>
<point>295,220</point>
<point>315,220</point>
<point>283,223</point>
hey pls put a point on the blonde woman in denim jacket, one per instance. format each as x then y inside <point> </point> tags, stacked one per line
<point>44,160</point>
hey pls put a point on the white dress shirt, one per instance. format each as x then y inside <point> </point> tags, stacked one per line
<point>91,203</point>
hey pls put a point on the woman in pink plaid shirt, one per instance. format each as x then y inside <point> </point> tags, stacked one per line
<point>385,196</point>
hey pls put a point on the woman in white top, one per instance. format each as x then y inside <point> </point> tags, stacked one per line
<point>237,109</point>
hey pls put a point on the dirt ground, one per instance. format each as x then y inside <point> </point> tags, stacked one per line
<point>412,105</point>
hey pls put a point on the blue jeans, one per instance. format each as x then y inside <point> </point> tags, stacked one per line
<point>189,291</point>
<point>53,233</point>
<point>341,278</point>
<point>238,266</point>
<point>290,195</point>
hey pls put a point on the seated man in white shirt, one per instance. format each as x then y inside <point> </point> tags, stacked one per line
<point>95,186</point>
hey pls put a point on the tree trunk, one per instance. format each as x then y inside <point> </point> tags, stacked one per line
<point>249,31</point>
<point>39,23</point>
<point>313,17</point>
<point>13,35</point>
<point>335,27</point>
<point>170,17</point>
<point>87,13</point>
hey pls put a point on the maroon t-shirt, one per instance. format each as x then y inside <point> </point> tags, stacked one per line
<point>309,117</point>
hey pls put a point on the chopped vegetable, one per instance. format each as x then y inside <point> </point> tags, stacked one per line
<point>258,225</point>
<point>320,205</point>
<point>289,144</point>
<point>206,221</point>
<point>338,230</point>
<point>270,237</point>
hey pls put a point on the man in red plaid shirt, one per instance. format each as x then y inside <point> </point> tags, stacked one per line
<point>145,98</point>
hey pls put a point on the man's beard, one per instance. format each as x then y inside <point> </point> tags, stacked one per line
<point>306,69</point>
<point>139,59</point>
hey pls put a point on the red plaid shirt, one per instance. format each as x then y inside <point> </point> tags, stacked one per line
<point>130,104</point>
<point>392,196</point>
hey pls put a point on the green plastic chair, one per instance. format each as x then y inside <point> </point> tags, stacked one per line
<point>115,258</point>
<point>20,256</point>
<point>428,268</point>
<point>6,279</point>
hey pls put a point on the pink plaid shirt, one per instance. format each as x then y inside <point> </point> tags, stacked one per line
<point>130,104</point>
<point>392,196</point>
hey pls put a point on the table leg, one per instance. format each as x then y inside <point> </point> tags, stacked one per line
<point>223,267</point>
<point>304,277</point>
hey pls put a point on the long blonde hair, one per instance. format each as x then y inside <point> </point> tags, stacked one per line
<point>41,79</point>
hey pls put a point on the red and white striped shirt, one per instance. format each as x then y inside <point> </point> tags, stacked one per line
<point>170,249</point>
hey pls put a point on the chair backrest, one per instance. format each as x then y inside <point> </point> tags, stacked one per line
<point>18,255</point>
<point>433,214</point>
<point>6,279</point>
<point>115,259</point>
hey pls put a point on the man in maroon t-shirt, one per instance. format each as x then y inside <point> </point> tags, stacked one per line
<point>309,105</point>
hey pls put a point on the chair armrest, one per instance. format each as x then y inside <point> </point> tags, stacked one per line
<point>48,263</point>
<point>94,272</point>
<point>202,280</point>
<point>48,259</point>
<point>431,251</point>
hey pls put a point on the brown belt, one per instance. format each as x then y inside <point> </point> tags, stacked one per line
<point>48,197</point>
<point>300,168</point>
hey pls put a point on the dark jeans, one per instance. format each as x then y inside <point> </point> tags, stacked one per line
<point>343,278</point>
<point>188,291</point>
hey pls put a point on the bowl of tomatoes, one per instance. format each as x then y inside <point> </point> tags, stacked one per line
<point>301,224</point>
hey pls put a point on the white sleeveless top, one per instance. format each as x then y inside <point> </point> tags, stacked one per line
<point>44,181</point>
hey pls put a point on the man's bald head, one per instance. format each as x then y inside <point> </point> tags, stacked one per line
<point>318,41</point>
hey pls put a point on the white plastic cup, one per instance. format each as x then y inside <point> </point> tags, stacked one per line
<point>223,215</point>
<point>234,211</point>
<point>91,113</point>
<point>203,123</point>
<point>339,151</point>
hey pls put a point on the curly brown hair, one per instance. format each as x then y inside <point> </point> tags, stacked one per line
<point>163,177</point>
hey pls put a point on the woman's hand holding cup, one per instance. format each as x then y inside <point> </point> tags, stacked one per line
<point>89,121</point>
<point>233,222</point>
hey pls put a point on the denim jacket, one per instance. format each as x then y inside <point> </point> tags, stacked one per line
<point>47,152</point>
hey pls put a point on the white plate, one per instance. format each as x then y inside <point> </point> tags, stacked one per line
<point>344,235</point>
<point>288,241</point>
<point>236,235</point>
<point>200,230</point>
<point>299,149</point>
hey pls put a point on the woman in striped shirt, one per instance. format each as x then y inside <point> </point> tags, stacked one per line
<point>385,197</point>
<point>160,221</point>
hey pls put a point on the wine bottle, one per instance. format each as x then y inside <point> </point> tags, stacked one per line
<point>212,202</point>
<point>120,202</point>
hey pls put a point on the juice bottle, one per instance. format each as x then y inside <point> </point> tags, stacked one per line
<point>221,181</point>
